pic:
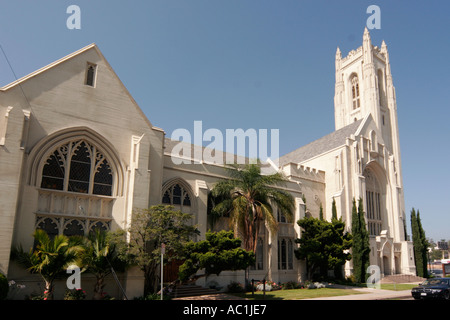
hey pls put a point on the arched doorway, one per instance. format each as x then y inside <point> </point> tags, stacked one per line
<point>397,264</point>
<point>386,266</point>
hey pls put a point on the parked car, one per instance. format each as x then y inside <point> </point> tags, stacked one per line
<point>435,288</point>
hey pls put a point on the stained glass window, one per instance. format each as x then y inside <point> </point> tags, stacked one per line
<point>80,167</point>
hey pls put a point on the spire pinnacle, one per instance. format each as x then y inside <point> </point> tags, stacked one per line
<point>366,33</point>
<point>338,53</point>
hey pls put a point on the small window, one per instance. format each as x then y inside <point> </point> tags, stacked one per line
<point>281,217</point>
<point>355,92</point>
<point>259,256</point>
<point>90,75</point>
<point>285,254</point>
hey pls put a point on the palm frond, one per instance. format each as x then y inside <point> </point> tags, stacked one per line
<point>249,195</point>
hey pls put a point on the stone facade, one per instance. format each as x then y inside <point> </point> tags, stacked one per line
<point>77,152</point>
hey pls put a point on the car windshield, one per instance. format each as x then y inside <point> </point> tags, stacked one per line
<point>434,282</point>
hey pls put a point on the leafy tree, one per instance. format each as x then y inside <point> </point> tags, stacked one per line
<point>150,228</point>
<point>100,257</point>
<point>248,197</point>
<point>50,257</point>
<point>361,247</point>
<point>420,244</point>
<point>323,245</point>
<point>219,252</point>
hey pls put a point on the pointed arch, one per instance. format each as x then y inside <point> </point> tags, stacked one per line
<point>178,192</point>
<point>45,156</point>
<point>375,198</point>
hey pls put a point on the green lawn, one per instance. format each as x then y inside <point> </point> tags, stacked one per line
<point>398,286</point>
<point>297,294</point>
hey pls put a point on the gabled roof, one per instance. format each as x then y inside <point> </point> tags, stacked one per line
<point>92,46</point>
<point>49,66</point>
<point>322,145</point>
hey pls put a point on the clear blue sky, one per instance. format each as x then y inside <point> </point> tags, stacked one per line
<point>258,64</point>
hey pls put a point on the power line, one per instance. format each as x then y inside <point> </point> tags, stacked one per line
<point>15,76</point>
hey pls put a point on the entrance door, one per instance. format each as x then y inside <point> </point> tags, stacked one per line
<point>386,266</point>
<point>171,270</point>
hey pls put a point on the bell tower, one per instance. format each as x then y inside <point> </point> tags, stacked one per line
<point>364,85</point>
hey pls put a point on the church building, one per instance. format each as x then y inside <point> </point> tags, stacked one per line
<point>78,153</point>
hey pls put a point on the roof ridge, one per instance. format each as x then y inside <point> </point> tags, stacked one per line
<point>49,66</point>
<point>319,146</point>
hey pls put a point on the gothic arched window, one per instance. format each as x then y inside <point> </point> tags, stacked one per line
<point>90,75</point>
<point>176,195</point>
<point>355,92</point>
<point>374,204</point>
<point>76,193</point>
<point>78,166</point>
<point>381,89</point>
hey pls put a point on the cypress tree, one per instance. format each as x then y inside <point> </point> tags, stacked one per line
<point>321,212</point>
<point>417,243</point>
<point>365,245</point>
<point>361,248</point>
<point>424,246</point>
<point>356,249</point>
<point>333,210</point>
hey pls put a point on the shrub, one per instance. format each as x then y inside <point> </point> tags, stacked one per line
<point>235,287</point>
<point>75,294</point>
<point>154,296</point>
<point>270,286</point>
<point>291,285</point>
<point>4,287</point>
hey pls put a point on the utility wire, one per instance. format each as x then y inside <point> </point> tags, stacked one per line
<point>15,76</point>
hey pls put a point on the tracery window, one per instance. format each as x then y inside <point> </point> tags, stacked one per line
<point>373,204</point>
<point>68,226</point>
<point>176,195</point>
<point>78,166</point>
<point>76,190</point>
<point>355,92</point>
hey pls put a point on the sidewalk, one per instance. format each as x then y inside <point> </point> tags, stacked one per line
<point>369,294</point>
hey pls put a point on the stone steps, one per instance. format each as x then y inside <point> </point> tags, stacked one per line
<point>192,290</point>
<point>401,278</point>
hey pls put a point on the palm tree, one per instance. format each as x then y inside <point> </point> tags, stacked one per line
<point>50,257</point>
<point>100,257</point>
<point>249,197</point>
